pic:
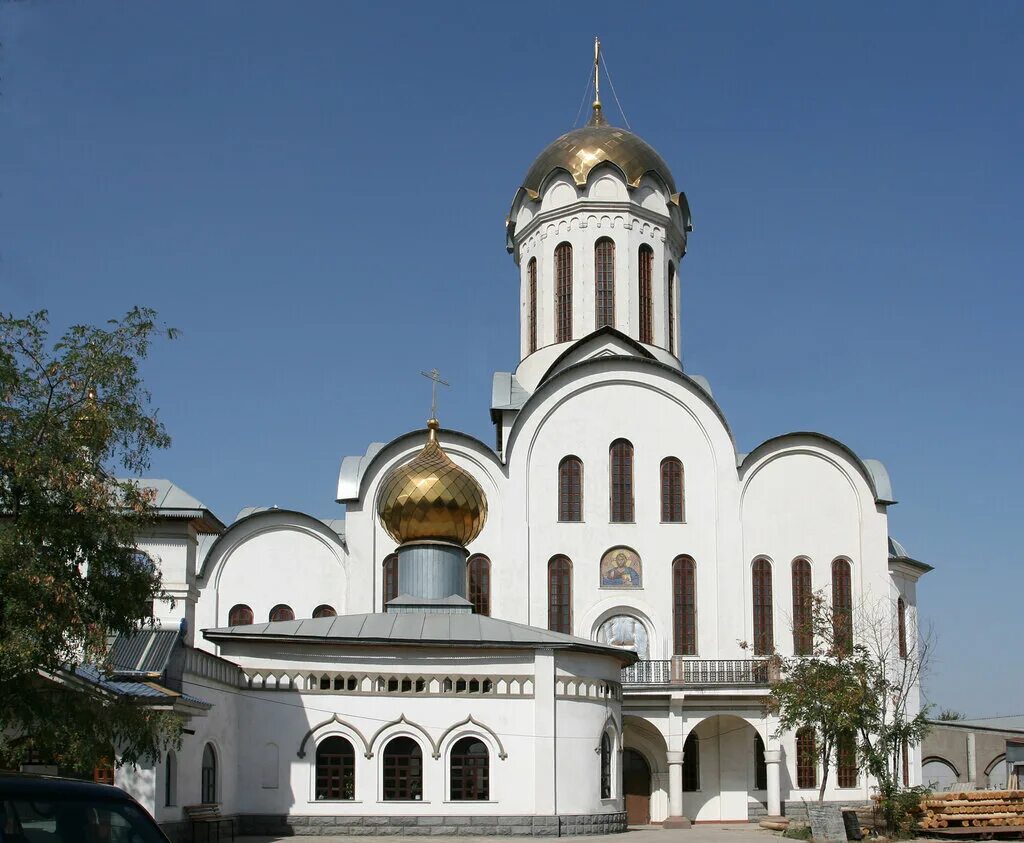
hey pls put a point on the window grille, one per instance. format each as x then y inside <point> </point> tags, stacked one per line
<point>671,490</point>
<point>560,595</point>
<point>684,606</point>
<point>604,282</point>
<point>563,292</point>
<point>570,489</point>
<point>646,271</point>
<point>621,485</point>
<point>764,627</point>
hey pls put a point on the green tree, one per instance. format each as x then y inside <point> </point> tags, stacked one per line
<point>72,412</point>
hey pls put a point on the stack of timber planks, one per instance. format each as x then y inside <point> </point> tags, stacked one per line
<point>973,809</point>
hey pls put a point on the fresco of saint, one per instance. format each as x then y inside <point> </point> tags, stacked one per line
<point>621,568</point>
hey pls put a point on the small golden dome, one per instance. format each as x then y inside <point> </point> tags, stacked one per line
<point>431,498</point>
<point>579,151</point>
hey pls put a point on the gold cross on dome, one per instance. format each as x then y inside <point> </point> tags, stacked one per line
<point>434,377</point>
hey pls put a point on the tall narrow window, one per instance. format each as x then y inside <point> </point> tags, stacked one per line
<point>901,618</point>
<point>470,771</point>
<point>760,765</point>
<point>842,606</point>
<point>171,780</point>
<point>806,759</point>
<point>335,769</point>
<point>620,464</point>
<point>803,597</point>
<point>684,606</point>
<point>646,271</point>
<point>282,612</point>
<point>563,292</point>
<point>846,760</point>
<point>606,766</point>
<point>671,489</point>
<point>604,282</point>
<point>764,626</point>
<point>403,770</point>
<point>531,276</point>
<point>560,595</point>
<point>905,758</point>
<point>390,579</point>
<point>208,777</point>
<point>672,308</point>
<point>478,584</point>
<point>240,615</point>
<point>691,763</point>
<point>570,489</point>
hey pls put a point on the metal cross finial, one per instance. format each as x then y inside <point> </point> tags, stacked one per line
<point>434,377</point>
<point>597,72</point>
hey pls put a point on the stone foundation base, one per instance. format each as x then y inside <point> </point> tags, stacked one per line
<point>287,825</point>
<point>677,822</point>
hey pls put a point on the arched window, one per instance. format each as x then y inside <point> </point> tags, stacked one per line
<point>570,489</point>
<point>606,766</point>
<point>324,611</point>
<point>560,595</point>
<point>240,615</point>
<point>282,612</point>
<point>646,271</point>
<point>760,765</point>
<point>531,274</point>
<point>671,490</point>
<point>691,764</point>
<point>335,769</point>
<point>563,292</point>
<point>470,771</point>
<point>390,579</point>
<point>478,584</point>
<point>842,606</point>
<point>604,282</point>
<point>170,780</point>
<point>672,308</point>
<point>803,603</point>
<point>403,770</point>
<point>806,759</point>
<point>901,617</point>
<point>764,625</point>
<point>846,760</point>
<point>684,606</point>
<point>620,469</point>
<point>208,778</point>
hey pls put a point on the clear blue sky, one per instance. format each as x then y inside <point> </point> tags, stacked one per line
<point>314,193</point>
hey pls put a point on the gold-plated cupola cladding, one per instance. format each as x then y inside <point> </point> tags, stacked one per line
<point>431,498</point>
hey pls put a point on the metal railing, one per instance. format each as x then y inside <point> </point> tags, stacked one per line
<point>683,671</point>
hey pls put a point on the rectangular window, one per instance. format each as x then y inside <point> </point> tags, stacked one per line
<point>563,293</point>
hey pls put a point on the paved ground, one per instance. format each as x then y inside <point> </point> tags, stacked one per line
<point>740,833</point>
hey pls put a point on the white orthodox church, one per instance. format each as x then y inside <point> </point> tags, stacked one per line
<point>557,634</point>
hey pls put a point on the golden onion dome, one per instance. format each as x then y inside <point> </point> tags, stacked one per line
<point>431,498</point>
<point>579,151</point>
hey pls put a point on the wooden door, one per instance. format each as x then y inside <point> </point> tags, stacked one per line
<point>636,787</point>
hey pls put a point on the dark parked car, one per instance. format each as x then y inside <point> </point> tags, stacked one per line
<point>41,809</point>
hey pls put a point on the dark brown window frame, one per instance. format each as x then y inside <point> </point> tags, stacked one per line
<point>806,759</point>
<point>803,604</point>
<point>604,282</point>
<point>570,489</point>
<point>673,491</point>
<point>478,583</point>
<point>621,508</point>
<point>606,766</point>
<point>846,760</point>
<point>901,619</point>
<point>560,594</point>
<point>671,308</point>
<point>335,770</point>
<point>842,604</point>
<point>469,774</point>
<point>684,606</point>
<point>645,282</point>
<point>325,610</point>
<point>763,604</point>
<point>531,275</point>
<point>282,612</point>
<point>563,292</point>
<point>402,770</point>
<point>208,775</point>
<point>240,615</point>
<point>389,584</point>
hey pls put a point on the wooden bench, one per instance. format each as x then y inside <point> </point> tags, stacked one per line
<point>208,815</point>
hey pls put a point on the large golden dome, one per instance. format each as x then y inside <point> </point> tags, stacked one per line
<point>579,151</point>
<point>431,498</point>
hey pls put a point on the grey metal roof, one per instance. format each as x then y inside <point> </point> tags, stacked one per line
<point>506,392</point>
<point>896,550</point>
<point>418,629</point>
<point>146,652</point>
<point>145,690</point>
<point>898,553</point>
<point>1006,723</point>
<point>171,501</point>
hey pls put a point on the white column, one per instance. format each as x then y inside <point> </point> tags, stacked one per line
<point>772,760</point>
<point>675,784</point>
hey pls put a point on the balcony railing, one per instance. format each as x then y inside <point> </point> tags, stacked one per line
<point>696,672</point>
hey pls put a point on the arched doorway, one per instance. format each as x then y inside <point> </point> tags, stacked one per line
<point>636,787</point>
